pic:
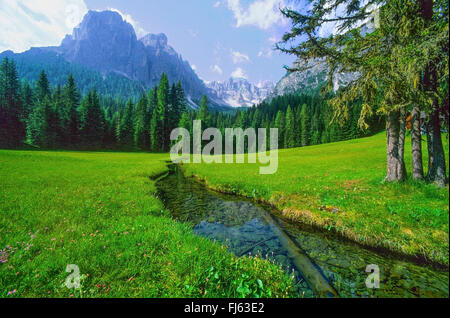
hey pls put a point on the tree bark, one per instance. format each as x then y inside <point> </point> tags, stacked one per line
<point>416,145</point>
<point>395,164</point>
<point>436,159</point>
<point>401,141</point>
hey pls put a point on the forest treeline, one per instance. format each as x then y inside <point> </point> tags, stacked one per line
<point>61,118</point>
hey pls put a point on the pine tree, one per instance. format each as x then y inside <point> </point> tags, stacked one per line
<point>290,130</point>
<point>280,124</point>
<point>141,133</point>
<point>43,125</point>
<point>12,128</point>
<point>127,129</point>
<point>92,117</point>
<point>27,101</point>
<point>71,120</point>
<point>42,87</point>
<point>306,126</point>
<point>203,113</point>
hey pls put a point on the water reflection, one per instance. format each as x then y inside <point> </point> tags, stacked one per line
<point>247,228</point>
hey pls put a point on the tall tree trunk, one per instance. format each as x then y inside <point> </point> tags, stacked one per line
<point>416,145</point>
<point>436,159</point>
<point>395,164</point>
<point>401,141</point>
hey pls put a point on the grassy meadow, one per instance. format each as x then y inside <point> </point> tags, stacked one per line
<point>99,211</point>
<point>340,187</point>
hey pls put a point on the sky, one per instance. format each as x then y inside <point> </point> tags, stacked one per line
<point>219,38</point>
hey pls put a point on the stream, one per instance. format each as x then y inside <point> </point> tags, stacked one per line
<point>323,264</point>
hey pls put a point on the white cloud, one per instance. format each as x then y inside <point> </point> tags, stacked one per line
<point>140,31</point>
<point>267,53</point>
<point>239,73</point>
<point>24,24</point>
<point>260,13</point>
<point>273,40</point>
<point>217,4</point>
<point>239,57</point>
<point>216,69</point>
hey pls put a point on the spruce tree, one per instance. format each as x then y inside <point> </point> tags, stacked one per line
<point>163,111</point>
<point>203,113</point>
<point>141,133</point>
<point>71,120</point>
<point>280,124</point>
<point>92,117</point>
<point>42,87</point>
<point>127,129</point>
<point>290,130</point>
<point>12,128</point>
<point>306,126</point>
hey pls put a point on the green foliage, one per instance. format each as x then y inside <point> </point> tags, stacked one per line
<point>12,115</point>
<point>290,134</point>
<point>203,113</point>
<point>126,133</point>
<point>92,126</point>
<point>142,124</point>
<point>305,126</point>
<point>280,124</point>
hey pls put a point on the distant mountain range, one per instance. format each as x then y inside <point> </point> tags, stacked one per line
<point>105,46</point>
<point>238,92</point>
<point>103,52</point>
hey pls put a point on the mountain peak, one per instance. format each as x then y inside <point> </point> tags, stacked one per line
<point>239,92</point>
<point>101,25</point>
<point>155,40</point>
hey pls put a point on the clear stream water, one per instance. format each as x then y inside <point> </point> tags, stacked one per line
<point>324,265</point>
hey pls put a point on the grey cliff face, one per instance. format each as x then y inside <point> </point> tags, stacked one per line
<point>311,79</point>
<point>107,43</point>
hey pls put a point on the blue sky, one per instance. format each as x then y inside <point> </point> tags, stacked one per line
<point>220,38</point>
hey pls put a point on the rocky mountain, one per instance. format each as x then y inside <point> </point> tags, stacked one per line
<point>105,43</point>
<point>310,80</point>
<point>316,74</point>
<point>238,92</point>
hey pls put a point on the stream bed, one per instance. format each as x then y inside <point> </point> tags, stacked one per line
<point>323,264</point>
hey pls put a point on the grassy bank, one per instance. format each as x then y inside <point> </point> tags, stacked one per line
<point>340,187</point>
<point>99,211</point>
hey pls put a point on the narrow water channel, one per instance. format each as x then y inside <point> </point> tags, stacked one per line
<point>323,264</point>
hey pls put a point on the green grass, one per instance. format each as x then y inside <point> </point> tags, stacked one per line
<point>411,217</point>
<point>99,211</point>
